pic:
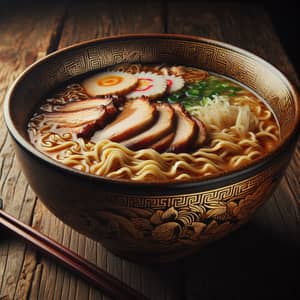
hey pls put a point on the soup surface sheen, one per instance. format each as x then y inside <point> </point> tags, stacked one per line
<point>154,122</point>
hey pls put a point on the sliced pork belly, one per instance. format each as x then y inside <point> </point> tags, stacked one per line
<point>201,133</point>
<point>82,122</point>
<point>81,105</point>
<point>136,116</point>
<point>185,132</point>
<point>162,126</point>
<point>162,144</point>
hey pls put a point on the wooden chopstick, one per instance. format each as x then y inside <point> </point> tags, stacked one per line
<point>108,284</point>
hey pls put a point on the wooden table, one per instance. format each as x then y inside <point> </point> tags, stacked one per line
<point>256,262</point>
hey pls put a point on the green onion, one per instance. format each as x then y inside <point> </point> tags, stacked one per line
<point>201,92</point>
<point>173,99</point>
<point>205,101</point>
<point>194,92</point>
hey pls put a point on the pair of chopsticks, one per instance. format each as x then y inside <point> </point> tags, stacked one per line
<point>108,284</point>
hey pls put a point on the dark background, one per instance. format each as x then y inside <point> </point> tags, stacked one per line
<point>285,16</point>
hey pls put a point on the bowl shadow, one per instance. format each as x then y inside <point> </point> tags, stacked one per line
<point>254,262</point>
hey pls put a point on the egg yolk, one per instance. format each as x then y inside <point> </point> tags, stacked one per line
<point>110,80</point>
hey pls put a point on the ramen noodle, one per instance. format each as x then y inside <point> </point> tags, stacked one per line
<point>154,122</point>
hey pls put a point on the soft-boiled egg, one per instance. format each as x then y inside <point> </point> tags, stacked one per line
<point>109,83</point>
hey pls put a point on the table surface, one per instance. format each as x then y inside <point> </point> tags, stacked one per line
<point>258,261</point>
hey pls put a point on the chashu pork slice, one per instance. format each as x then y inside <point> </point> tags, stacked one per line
<point>201,133</point>
<point>136,116</point>
<point>162,126</point>
<point>82,122</point>
<point>162,144</point>
<point>83,104</point>
<point>186,131</point>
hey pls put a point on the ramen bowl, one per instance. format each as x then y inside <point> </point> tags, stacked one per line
<point>152,221</point>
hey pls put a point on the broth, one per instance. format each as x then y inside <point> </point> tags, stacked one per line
<point>154,122</point>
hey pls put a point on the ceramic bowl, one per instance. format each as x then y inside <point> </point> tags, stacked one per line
<point>152,222</point>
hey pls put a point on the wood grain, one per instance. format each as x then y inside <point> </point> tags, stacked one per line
<point>106,18</point>
<point>100,279</point>
<point>256,256</point>
<point>26,39</point>
<point>270,238</point>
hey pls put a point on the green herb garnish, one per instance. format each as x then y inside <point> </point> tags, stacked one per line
<point>201,92</point>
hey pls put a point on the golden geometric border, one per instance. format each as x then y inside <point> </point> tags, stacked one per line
<point>208,199</point>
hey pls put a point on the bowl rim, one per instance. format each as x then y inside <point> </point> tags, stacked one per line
<point>206,180</point>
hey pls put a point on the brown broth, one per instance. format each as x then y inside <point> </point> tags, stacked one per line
<point>208,99</point>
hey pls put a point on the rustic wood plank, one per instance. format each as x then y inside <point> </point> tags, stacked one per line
<point>24,40</point>
<point>250,255</point>
<point>82,23</point>
<point>106,18</point>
